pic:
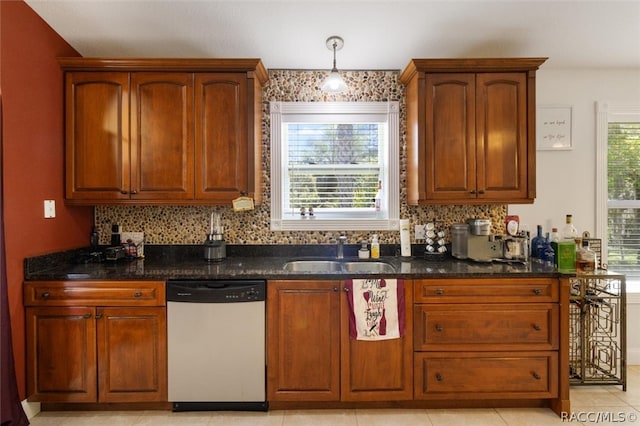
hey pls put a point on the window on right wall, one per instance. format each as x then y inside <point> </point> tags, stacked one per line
<point>618,187</point>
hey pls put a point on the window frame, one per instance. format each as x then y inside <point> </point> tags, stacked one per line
<point>282,112</point>
<point>607,112</point>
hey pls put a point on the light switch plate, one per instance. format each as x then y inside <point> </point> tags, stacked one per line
<point>49,209</point>
<point>419,232</point>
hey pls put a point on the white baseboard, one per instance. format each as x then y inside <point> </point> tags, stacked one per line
<point>31,409</point>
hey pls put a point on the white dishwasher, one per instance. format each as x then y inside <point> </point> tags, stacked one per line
<point>216,345</point>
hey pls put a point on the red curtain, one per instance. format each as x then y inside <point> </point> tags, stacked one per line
<point>11,412</point>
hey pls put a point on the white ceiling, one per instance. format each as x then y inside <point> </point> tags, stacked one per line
<point>291,34</point>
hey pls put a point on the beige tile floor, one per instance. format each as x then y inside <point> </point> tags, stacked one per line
<point>589,405</point>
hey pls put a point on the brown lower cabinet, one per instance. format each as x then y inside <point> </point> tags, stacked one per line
<point>310,356</point>
<point>471,342</point>
<point>96,341</point>
<point>492,339</point>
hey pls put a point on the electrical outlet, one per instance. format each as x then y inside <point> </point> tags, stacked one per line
<point>49,209</point>
<point>419,232</point>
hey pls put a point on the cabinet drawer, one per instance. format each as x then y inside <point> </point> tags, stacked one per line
<point>486,290</point>
<point>485,375</point>
<point>94,293</point>
<point>486,327</point>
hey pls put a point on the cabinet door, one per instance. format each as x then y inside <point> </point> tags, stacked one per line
<point>162,136</point>
<point>132,354</point>
<point>481,327</point>
<point>450,163</point>
<point>97,136</point>
<point>501,136</point>
<point>303,341</point>
<point>377,370</point>
<point>491,375</point>
<point>221,136</point>
<point>61,354</point>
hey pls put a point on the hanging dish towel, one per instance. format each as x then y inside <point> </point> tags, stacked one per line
<point>377,309</point>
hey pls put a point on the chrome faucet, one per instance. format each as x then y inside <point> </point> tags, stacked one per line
<point>340,251</point>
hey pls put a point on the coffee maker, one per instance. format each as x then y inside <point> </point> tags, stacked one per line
<point>215,248</point>
<point>473,240</point>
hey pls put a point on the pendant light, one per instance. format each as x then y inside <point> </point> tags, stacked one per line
<point>334,83</point>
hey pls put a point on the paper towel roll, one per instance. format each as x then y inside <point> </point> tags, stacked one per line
<point>405,238</point>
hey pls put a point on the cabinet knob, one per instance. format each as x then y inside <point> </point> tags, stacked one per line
<point>134,192</point>
<point>439,292</point>
<point>439,328</point>
<point>536,376</point>
<point>335,289</point>
<point>536,327</point>
<point>137,294</point>
<point>439,377</point>
<point>46,295</point>
<point>346,290</point>
<point>537,291</point>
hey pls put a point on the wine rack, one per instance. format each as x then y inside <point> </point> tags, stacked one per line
<point>597,329</point>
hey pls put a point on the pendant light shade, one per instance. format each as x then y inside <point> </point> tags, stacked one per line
<point>334,82</point>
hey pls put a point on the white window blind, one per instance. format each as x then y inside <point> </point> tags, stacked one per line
<point>334,166</point>
<point>623,183</point>
<point>339,159</point>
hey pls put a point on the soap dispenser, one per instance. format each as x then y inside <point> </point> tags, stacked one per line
<point>363,253</point>
<point>375,247</point>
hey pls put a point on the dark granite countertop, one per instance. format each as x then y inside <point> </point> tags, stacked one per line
<point>266,262</point>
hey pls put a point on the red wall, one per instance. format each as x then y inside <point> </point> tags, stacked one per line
<point>31,84</point>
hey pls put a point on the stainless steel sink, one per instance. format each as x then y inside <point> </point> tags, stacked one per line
<point>323,265</point>
<point>368,267</point>
<point>313,266</point>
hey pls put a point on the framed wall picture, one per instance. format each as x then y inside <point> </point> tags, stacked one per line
<point>554,127</point>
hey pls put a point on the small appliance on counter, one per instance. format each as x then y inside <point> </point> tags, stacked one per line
<point>473,240</point>
<point>215,249</point>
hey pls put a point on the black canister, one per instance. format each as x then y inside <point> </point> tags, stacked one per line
<point>115,235</point>
<point>215,249</point>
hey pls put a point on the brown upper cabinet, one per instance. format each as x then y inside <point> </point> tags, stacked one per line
<point>471,130</point>
<point>163,131</point>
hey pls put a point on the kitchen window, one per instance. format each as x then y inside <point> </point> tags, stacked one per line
<point>334,166</point>
<point>618,192</point>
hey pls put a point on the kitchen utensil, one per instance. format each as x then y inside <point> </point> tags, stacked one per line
<point>479,226</point>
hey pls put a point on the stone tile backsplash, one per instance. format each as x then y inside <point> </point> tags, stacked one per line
<point>189,224</point>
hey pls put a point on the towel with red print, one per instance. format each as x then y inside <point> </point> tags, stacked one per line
<point>376,309</point>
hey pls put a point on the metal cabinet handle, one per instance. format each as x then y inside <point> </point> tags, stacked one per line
<point>439,292</point>
<point>439,377</point>
<point>86,316</point>
<point>481,191</point>
<point>536,376</point>
<point>137,294</point>
<point>335,289</point>
<point>98,316</point>
<point>439,328</point>
<point>346,290</point>
<point>46,295</point>
<point>134,192</point>
<point>536,327</point>
<point>537,291</point>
